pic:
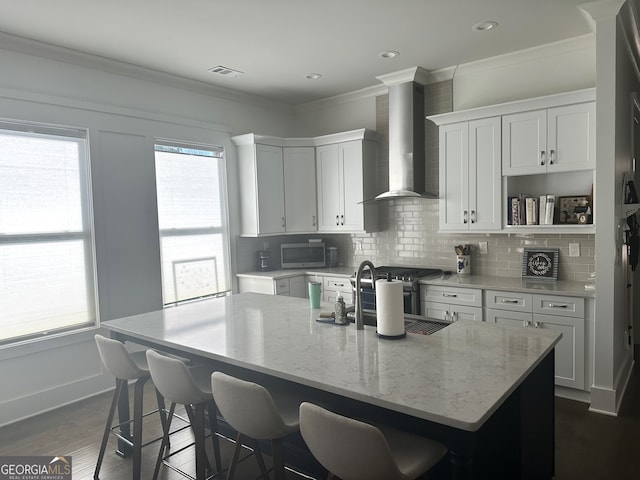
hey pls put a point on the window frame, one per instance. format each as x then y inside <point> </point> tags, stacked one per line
<point>86,234</point>
<point>224,228</point>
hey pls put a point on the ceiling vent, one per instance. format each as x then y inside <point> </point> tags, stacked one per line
<point>225,71</point>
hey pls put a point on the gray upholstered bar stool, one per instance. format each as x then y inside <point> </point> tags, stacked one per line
<point>125,366</point>
<point>382,453</point>
<point>190,387</point>
<point>256,414</point>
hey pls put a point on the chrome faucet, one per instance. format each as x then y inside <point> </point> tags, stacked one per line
<point>358,302</point>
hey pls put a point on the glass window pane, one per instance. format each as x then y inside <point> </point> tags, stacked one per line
<point>44,287</point>
<point>188,193</point>
<point>40,184</point>
<point>192,266</point>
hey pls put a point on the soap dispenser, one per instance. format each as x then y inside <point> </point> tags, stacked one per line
<point>341,314</point>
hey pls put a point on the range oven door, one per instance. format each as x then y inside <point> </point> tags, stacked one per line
<point>409,299</point>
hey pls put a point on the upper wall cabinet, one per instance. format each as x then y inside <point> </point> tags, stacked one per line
<point>347,174</point>
<point>470,181</point>
<point>559,139</point>
<point>277,185</point>
<point>529,148</point>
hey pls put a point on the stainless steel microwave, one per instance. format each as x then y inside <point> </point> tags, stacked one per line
<point>302,255</point>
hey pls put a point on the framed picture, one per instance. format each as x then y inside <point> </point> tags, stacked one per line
<point>574,210</point>
<point>540,263</point>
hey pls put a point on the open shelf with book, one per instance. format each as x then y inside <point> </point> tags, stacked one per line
<point>568,194</point>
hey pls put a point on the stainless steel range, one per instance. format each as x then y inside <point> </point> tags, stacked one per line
<point>409,277</point>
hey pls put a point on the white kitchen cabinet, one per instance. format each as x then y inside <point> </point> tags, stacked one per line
<point>470,180</point>
<point>558,313</point>
<point>547,147</point>
<point>346,174</point>
<point>277,185</point>
<point>559,139</point>
<point>451,303</point>
<point>300,204</point>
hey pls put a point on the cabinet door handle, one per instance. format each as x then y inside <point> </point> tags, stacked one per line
<point>464,217</point>
<point>454,316</point>
<point>453,295</point>
<point>283,222</point>
<point>508,300</point>
<point>341,219</point>
<point>557,305</point>
<point>337,219</point>
<point>527,323</point>
<point>537,324</point>
<point>542,157</point>
<point>551,155</point>
<point>473,216</point>
<point>313,220</point>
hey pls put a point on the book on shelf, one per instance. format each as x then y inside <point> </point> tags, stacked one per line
<point>524,209</point>
<point>549,209</point>
<point>531,214</point>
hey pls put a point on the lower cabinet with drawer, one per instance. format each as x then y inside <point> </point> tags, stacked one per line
<point>451,303</point>
<point>332,286</point>
<point>559,313</point>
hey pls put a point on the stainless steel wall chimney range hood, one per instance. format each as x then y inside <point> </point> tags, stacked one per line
<point>406,134</point>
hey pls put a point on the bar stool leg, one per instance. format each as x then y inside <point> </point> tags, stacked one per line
<point>213,427</point>
<point>165,441</point>
<point>107,428</point>
<point>259,459</point>
<point>202,461</point>
<point>163,412</point>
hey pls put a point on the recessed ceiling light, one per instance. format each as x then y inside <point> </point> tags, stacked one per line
<point>484,26</point>
<point>313,76</point>
<point>388,54</point>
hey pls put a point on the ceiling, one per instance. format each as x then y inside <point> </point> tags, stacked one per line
<point>276,43</point>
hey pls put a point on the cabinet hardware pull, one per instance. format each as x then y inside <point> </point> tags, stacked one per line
<point>337,219</point>
<point>473,216</point>
<point>341,219</point>
<point>453,295</point>
<point>542,157</point>
<point>339,284</point>
<point>527,323</point>
<point>537,324</point>
<point>464,217</point>
<point>508,300</point>
<point>454,316</point>
<point>557,305</point>
<point>551,154</point>
<point>313,220</point>
<point>283,222</point>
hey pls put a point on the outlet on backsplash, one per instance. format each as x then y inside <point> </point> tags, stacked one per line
<point>483,248</point>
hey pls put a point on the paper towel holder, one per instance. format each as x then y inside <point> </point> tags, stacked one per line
<point>391,337</point>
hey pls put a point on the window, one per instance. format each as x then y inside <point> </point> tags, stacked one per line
<point>194,239</point>
<point>47,284</point>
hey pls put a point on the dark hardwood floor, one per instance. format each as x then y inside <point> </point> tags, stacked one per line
<point>588,445</point>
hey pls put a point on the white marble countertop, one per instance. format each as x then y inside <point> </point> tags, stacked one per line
<point>512,284</point>
<point>457,377</point>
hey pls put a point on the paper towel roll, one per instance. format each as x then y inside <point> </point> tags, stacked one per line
<point>390,308</point>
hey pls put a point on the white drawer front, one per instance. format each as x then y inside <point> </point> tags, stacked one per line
<point>517,302</point>
<point>453,295</point>
<point>509,318</point>
<point>337,284</point>
<point>558,305</point>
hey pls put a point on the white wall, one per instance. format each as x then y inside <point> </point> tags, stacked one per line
<point>124,109</point>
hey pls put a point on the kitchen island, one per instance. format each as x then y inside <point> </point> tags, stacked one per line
<point>483,390</point>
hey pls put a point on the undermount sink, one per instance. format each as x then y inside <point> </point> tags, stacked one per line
<point>412,323</point>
